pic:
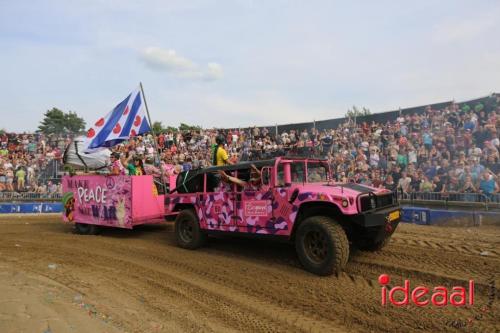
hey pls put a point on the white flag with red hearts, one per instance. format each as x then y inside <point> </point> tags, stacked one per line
<point>126,120</point>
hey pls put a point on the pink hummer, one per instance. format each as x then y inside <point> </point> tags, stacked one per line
<point>293,199</point>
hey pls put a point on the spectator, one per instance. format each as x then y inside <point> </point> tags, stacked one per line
<point>488,186</point>
<point>426,185</point>
<point>404,184</point>
<point>20,176</point>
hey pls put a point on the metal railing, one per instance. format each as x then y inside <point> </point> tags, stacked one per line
<point>452,198</point>
<point>29,196</point>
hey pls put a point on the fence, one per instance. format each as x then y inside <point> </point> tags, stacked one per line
<point>29,196</point>
<point>31,207</point>
<point>452,199</point>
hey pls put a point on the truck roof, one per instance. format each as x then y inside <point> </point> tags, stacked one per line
<point>239,166</point>
<point>258,164</point>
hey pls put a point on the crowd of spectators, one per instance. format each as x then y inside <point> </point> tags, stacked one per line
<point>451,150</point>
<point>23,159</point>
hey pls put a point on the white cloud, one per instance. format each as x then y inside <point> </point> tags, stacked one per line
<point>169,61</point>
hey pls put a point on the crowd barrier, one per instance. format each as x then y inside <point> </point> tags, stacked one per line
<point>29,196</point>
<point>446,199</point>
<point>466,218</point>
<point>31,207</point>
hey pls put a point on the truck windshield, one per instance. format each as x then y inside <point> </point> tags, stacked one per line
<point>316,172</point>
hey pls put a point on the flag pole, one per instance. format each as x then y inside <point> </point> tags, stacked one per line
<point>154,138</point>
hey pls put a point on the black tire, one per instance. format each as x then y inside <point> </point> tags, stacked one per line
<point>86,229</point>
<point>187,230</point>
<point>322,245</point>
<point>372,246</point>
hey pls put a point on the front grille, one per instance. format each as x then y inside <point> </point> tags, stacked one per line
<point>369,202</point>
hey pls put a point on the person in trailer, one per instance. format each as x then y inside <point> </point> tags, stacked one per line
<point>220,156</point>
<point>116,168</point>
<point>139,166</point>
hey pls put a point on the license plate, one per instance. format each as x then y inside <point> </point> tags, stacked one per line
<point>393,216</point>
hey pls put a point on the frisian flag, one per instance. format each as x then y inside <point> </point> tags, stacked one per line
<point>126,120</point>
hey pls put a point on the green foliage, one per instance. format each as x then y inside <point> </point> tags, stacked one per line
<point>171,129</point>
<point>158,127</point>
<point>55,121</point>
<point>357,112</point>
<point>185,127</point>
<point>73,123</point>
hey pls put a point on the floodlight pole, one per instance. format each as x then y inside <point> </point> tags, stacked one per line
<point>154,138</point>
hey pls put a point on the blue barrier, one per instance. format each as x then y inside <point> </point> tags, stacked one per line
<point>417,215</point>
<point>427,216</point>
<point>31,207</point>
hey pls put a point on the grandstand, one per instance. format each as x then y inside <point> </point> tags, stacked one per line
<point>440,152</point>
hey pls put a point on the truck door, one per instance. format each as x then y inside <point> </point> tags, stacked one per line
<point>254,207</point>
<point>217,203</point>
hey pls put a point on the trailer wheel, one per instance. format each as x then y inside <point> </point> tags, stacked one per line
<point>86,229</point>
<point>187,230</point>
<point>322,245</point>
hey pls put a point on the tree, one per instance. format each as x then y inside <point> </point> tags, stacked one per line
<point>356,112</point>
<point>73,123</point>
<point>171,129</point>
<point>55,121</point>
<point>158,127</point>
<point>186,127</point>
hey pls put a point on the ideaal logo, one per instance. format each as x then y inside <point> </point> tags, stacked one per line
<point>423,296</point>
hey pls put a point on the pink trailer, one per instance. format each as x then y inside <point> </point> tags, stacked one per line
<point>93,201</point>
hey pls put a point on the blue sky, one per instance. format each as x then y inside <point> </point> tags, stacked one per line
<point>242,62</point>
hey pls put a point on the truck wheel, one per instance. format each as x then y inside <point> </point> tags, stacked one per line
<point>86,229</point>
<point>187,230</point>
<point>322,245</point>
<point>372,246</point>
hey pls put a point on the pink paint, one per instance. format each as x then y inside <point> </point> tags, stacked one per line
<point>114,201</point>
<point>272,207</point>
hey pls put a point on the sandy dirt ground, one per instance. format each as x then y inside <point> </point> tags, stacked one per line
<point>54,281</point>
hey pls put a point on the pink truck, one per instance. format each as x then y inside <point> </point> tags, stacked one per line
<point>292,199</point>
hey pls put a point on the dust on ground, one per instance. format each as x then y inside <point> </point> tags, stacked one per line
<point>52,280</point>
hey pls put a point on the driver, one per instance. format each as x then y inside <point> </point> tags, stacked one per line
<point>254,181</point>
